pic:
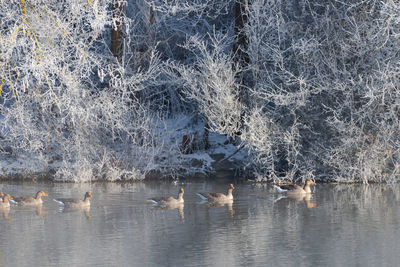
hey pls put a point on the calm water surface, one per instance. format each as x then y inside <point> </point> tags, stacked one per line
<point>341,225</point>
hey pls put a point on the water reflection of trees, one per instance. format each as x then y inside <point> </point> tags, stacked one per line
<point>347,215</point>
<point>360,197</point>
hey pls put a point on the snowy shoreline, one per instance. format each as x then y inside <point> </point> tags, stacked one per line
<point>220,161</point>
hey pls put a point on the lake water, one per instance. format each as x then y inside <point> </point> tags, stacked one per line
<point>341,225</point>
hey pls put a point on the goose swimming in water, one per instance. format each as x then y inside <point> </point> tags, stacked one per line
<point>218,197</point>
<point>169,200</point>
<point>75,203</point>
<point>5,203</point>
<point>294,189</point>
<point>30,201</point>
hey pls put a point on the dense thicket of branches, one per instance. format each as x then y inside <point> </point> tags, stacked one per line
<point>317,93</point>
<point>326,77</point>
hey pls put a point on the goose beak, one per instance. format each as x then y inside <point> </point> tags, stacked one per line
<point>44,195</point>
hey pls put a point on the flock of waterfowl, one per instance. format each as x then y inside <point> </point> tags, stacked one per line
<point>167,202</point>
<point>290,190</point>
<point>37,200</point>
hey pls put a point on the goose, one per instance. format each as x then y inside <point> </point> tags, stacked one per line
<point>75,203</point>
<point>294,189</point>
<point>218,197</point>
<point>5,203</point>
<point>168,200</point>
<point>30,201</point>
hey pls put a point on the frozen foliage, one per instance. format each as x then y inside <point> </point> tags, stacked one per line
<point>210,82</point>
<point>317,97</point>
<point>323,99</point>
<point>325,75</point>
<point>65,98</point>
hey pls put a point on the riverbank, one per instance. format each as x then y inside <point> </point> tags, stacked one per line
<point>222,160</point>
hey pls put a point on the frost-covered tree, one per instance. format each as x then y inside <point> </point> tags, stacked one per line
<point>210,83</point>
<point>84,84</point>
<point>324,94</point>
<point>322,99</point>
<point>66,99</point>
<point>310,88</point>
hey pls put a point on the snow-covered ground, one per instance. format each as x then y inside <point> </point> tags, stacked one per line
<point>168,163</point>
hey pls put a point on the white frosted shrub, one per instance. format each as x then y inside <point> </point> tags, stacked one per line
<point>210,82</point>
<point>57,105</point>
<point>327,71</point>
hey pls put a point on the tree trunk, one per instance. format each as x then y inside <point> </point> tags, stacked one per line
<point>116,30</point>
<point>205,136</point>
<point>241,44</point>
<point>241,56</point>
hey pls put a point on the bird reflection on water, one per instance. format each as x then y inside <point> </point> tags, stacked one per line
<point>178,206</point>
<point>298,198</point>
<point>39,209</point>
<point>227,203</point>
<point>5,212</point>
<point>85,210</point>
